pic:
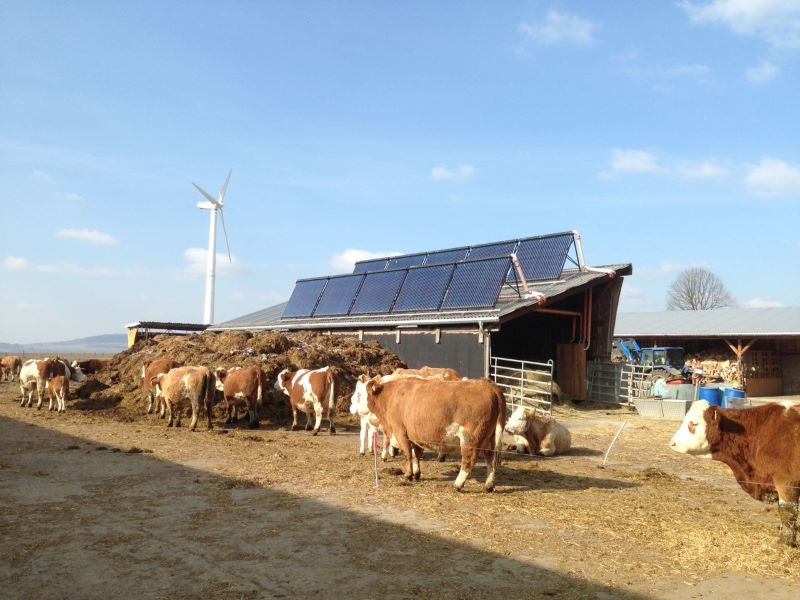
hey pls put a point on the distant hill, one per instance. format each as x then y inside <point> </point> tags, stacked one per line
<point>109,343</point>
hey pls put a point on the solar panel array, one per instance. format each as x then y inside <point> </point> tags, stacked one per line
<point>463,285</point>
<point>542,258</point>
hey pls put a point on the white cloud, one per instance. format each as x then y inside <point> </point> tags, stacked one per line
<point>559,28</point>
<point>633,161</point>
<point>460,174</point>
<point>20,264</point>
<point>776,21</point>
<point>87,235</point>
<point>773,178</point>
<point>196,263</point>
<point>42,176</point>
<point>761,303</point>
<point>345,261</point>
<point>761,73</point>
<point>634,299</point>
<point>703,170</point>
<point>73,197</point>
<point>692,70</point>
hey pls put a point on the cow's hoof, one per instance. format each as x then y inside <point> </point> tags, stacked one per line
<point>309,427</point>
<point>254,425</point>
<point>361,453</point>
<point>417,476</point>
<point>333,431</point>
<point>458,489</point>
<point>489,488</point>
<point>315,432</point>
<point>440,458</point>
<point>293,428</point>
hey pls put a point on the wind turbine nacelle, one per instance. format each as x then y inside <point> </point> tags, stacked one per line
<point>206,205</point>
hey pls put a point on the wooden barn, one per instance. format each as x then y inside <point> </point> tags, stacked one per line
<point>485,310</point>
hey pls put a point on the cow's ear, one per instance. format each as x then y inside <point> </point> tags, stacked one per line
<point>374,387</point>
<point>363,378</point>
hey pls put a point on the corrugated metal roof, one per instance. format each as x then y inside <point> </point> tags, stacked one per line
<point>724,322</point>
<point>167,326</point>
<point>269,318</point>
<point>260,318</point>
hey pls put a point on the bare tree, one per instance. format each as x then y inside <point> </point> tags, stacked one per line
<point>698,289</point>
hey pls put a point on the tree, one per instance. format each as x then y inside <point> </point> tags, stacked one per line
<point>698,289</point>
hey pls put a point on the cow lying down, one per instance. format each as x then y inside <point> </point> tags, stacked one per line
<point>543,434</point>
<point>761,446</point>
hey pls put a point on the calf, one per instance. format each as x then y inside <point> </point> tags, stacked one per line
<point>242,387</point>
<point>761,446</point>
<point>543,434</point>
<point>153,369</point>
<point>442,415</point>
<point>195,384</point>
<point>309,391</point>
<point>58,391</point>
<point>10,367</point>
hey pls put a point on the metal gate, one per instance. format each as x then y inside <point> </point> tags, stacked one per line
<point>524,383</point>
<point>635,381</point>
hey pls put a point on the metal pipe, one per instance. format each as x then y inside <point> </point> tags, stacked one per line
<point>582,263</point>
<point>589,320</point>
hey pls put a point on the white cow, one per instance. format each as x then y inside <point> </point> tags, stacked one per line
<point>542,433</point>
<point>36,373</point>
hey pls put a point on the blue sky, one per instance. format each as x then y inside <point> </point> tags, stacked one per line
<point>665,132</point>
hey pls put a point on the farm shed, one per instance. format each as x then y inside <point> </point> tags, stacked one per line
<point>470,308</point>
<point>142,330</point>
<point>767,339</point>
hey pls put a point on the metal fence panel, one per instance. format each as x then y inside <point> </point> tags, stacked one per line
<point>524,383</point>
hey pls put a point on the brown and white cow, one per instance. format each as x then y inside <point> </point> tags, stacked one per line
<point>35,374</point>
<point>58,393</point>
<point>10,367</point>
<point>153,369</point>
<point>761,446</point>
<point>91,366</point>
<point>242,388</point>
<point>429,373</point>
<point>309,392</point>
<point>543,434</point>
<point>443,416</point>
<point>369,422</point>
<point>195,384</point>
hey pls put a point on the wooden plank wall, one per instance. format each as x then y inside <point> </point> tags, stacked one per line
<point>571,370</point>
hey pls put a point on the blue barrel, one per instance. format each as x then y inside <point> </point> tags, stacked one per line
<point>730,396</point>
<point>711,395</point>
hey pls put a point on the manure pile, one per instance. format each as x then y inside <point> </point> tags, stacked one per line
<point>117,389</point>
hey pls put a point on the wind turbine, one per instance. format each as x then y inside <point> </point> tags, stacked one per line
<point>213,204</point>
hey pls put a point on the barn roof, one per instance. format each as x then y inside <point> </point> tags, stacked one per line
<point>723,322</point>
<point>570,283</point>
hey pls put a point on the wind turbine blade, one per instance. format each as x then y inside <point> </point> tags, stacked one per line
<point>225,231</point>
<point>225,188</point>
<point>208,196</point>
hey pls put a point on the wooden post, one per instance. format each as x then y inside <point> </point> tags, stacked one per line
<point>740,352</point>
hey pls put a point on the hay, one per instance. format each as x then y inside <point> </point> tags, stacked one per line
<point>117,389</point>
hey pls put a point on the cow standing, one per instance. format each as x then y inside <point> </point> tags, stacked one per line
<point>542,434</point>
<point>442,416</point>
<point>36,373</point>
<point>153,369</point>
<point>761,446</point>
<point>369,422</point>
<point>195,384</point>
<point>58,393</point>
<point>309,392</point>
<point>10,367</point>
<point>242,387</point>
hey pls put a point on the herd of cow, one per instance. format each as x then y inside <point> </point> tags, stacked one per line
<point>438,410</point>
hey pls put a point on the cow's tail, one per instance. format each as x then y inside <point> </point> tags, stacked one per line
<point>210,392</point>
<point>499,427</point>
<point>330,379</point>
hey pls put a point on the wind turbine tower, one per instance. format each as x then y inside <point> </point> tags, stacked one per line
<point>213,205</point>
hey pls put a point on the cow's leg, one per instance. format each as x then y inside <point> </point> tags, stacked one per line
<point>161,407</point>
<point>363,435</point>
<point>209,406</point>
<point>405,446</point>
<point>168,410</point>
<point>150,403</point>
<point>252,414</point>
<point>416,452</point>
<point>22,391</point>
<point>331,426</point>
<point>788,509</point>
<point>294,416</point>
<point>309,426</point>
<point>469,456</point>
<point>441,455</point>
<point>38,396</point>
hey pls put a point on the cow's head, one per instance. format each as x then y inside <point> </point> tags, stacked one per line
<point>220,374</point>
<point>283,381</point>
<point>518,421</point>
<point>76,373</point>
<point>358,401</point>
<point>692,436</point>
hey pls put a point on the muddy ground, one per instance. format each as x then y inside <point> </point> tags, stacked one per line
<point>99,507</point>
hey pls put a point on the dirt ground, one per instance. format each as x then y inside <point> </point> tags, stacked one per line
<point>99,507</point>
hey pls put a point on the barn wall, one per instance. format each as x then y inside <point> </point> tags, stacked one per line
<point>532,337</point>
<point>460,351</point>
